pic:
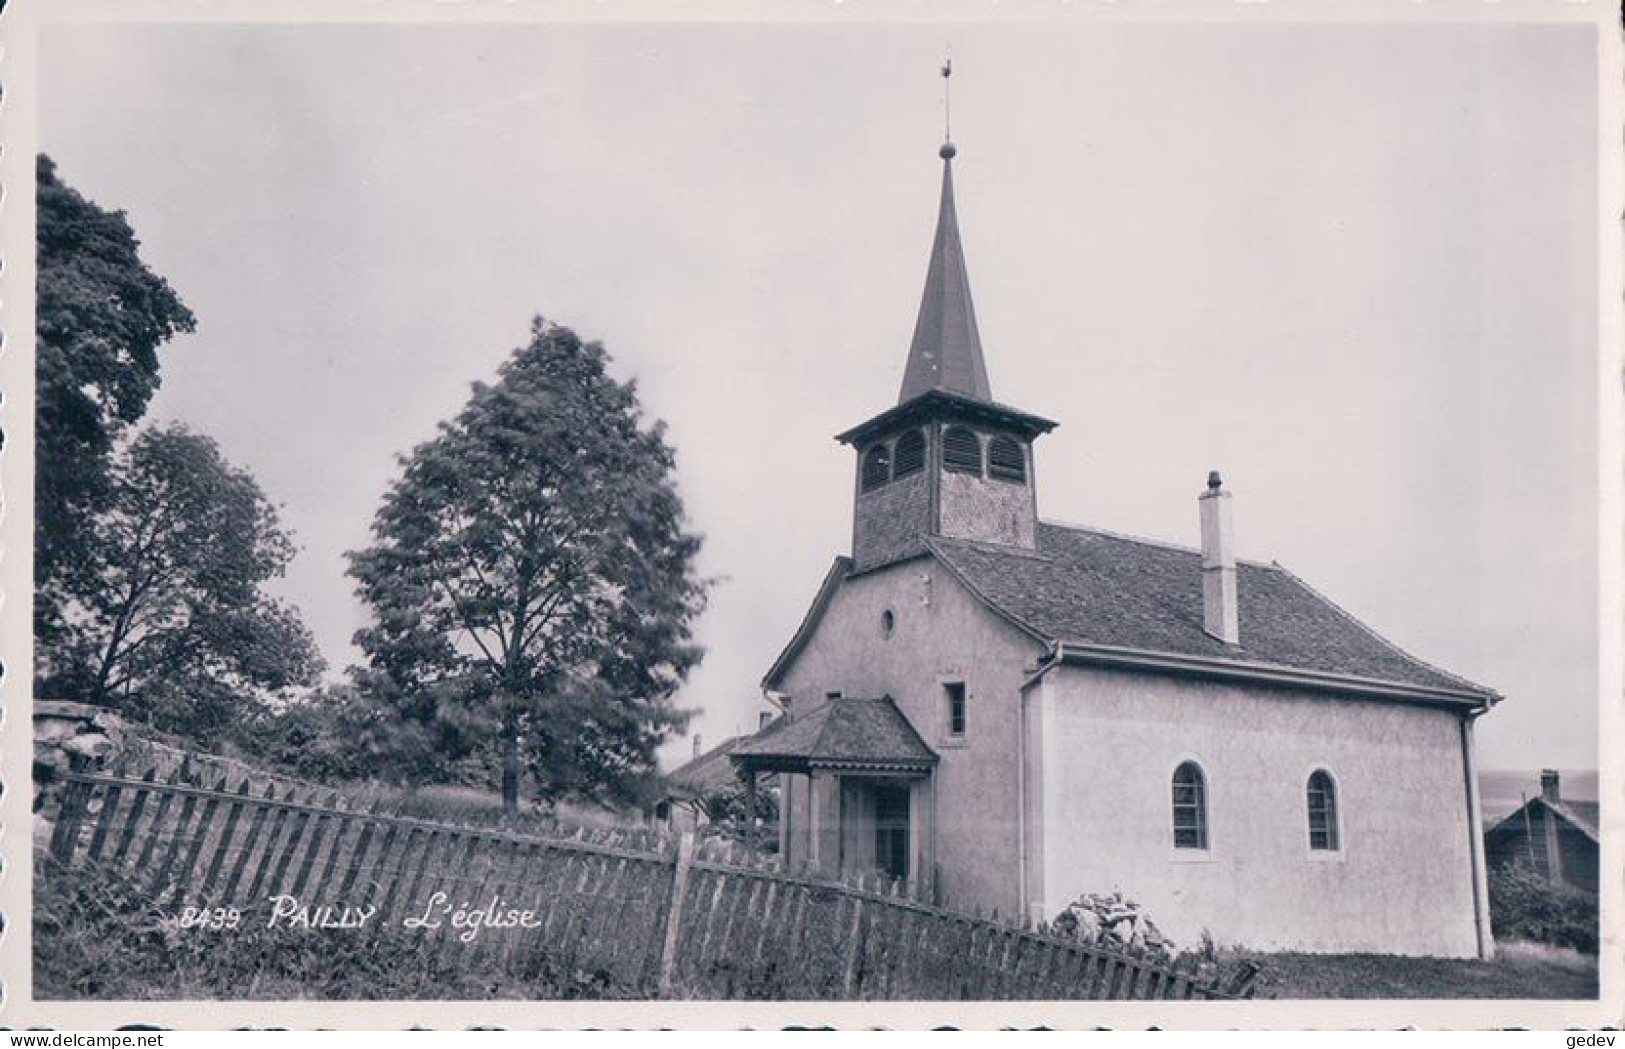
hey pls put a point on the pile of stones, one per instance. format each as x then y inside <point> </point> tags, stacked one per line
<point>1118,923</point>
<point>1112,920</point>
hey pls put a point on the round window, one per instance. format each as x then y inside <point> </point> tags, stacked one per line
<point>888,622</point>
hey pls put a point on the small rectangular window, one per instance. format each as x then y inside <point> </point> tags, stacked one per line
<point>955,691</point>
<point>833,695</point>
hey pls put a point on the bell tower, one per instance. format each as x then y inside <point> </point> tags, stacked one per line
<point>947,460</point>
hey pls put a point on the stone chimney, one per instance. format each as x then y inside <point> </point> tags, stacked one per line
<point>1219,616</point>
<point>696,744</point>
<point>1550,789</point>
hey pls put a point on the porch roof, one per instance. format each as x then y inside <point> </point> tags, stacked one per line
<point>843,733</point>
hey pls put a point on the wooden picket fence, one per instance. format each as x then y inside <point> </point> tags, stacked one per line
<point>655,916</point>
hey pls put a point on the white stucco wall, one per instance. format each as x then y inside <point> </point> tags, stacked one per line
<point>1402,882</point>
<point>941,633</point>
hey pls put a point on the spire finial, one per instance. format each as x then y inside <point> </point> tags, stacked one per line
<point>947,151</point>
<point>946,353</point>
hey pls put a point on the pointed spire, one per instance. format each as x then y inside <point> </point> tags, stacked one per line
<point>947,350</point>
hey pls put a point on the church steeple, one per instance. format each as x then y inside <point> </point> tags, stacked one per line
<point>946,353</point>
<point>946,460</point>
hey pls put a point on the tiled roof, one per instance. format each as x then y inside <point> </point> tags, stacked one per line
<point>1086,587</point>
<point>709,773</point>
<point>844,731</point>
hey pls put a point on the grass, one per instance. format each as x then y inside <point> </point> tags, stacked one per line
<point>473,806</point>
<point>1520,970</point>
<point>466,806</point>
<point>95,940</point>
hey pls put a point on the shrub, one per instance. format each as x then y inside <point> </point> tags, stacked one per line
<point>1524,905</point>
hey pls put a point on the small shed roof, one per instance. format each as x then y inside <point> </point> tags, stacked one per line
<point>845,732</point>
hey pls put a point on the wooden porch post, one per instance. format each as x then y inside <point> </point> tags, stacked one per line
<point>750,807</point>
<point>815,816</point>
<point>931,838</point>
<point>824,820</point>
<point>920,835</point>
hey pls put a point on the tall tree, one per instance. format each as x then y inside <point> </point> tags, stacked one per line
<point>167,617</point>
<point>531,579</point>
<point>101,315</point>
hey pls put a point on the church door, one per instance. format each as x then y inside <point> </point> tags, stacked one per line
<point>891,830</point>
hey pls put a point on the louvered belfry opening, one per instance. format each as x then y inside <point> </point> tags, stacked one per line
<point>909,457</point>
<point>961,450</point>
<point>1006,461</point>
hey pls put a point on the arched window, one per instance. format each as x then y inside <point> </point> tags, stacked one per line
<point>876,467</point>
<point>1005,460</point>
<point>910,458</point>
<point>961,451</point>
<point>1190,807</point>
<point>1322,812</point>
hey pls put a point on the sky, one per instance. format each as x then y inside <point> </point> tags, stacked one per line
<point>1353,267</point>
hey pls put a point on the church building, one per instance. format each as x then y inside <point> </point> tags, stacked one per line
<point>1009,713</point>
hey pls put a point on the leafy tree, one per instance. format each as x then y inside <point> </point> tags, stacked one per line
<point>166,618</point>
<point>532,583</point>
<point>101,315</point>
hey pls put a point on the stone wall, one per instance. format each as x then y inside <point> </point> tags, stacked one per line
<point>66,732</point>
<point>987,510</point>
<point>891,522</point>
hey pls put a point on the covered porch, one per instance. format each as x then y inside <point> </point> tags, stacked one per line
<point>857,790</point>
